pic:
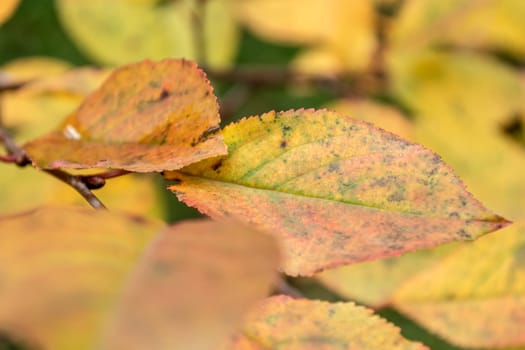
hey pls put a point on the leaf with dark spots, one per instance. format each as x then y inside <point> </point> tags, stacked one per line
<point>147,116</point>
<point>83,279</point>
<point>311,325</point>
<point>332,177</point>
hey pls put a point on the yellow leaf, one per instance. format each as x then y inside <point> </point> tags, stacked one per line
<point>485,24</point>
<point>31,68</point>
<point>286,323</point>
<point>121,31</point>
<point>374,282</point>
<point>345,26</point>
<point>475,297</point>
<point>334,190</point>
<point>7,7</point>
<point>462,102</point>
<point>109,281</point>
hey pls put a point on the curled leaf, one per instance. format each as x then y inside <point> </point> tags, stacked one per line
<point>334,190</point>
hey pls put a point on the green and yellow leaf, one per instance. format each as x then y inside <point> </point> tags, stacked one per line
<point>121,31</point>
<point>334,190</point>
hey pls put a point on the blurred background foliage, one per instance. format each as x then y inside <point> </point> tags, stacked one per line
<point>447,74</point>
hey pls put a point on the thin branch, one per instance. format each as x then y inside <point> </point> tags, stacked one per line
<point>348,84</point>
<point>79,185</point>
<point>17,155</point>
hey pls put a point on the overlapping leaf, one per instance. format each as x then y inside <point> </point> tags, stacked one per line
<point>475,297</point>
<point>120,31</point>
<point>39,106</point>
<point>76,279</point>
<point>341,32</point>
<point>146,117</point>
<point>374,282</point>
<point>334,190</point>
<point>491,25</point>
<point>284,323</point>
<point>472,98</point>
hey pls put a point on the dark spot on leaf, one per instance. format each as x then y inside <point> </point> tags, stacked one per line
<point>454,215</point>
<point>217,165</point>
<point>333,167</point>
<point>283,144</point>
<point>396,197</point>
<point>462,233</point>
<point>163,94</point>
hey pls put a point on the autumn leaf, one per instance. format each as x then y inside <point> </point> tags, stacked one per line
<point>381,115</point>
<point>146,117</point>
<point>374,282</point>
<point>38,106</point>
<point>43,102</point>
<point>25,69</point>
<point>475,297</point>
<point>286,323</point>
<point>340,33</point>
<point>121,31</point>
<point>470,294</point>
<point>334,190</point>
<point>472,98</point>
<point>490,25</point>
<point>117,284</point>
<point>7,7</point>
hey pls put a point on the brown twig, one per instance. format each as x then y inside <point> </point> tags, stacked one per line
<point>17,155</point>
<point>348,84</point>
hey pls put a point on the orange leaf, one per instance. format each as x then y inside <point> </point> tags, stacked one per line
<point>306,324</point>
<point>146,117</point>
<point>100,279</point>
<point>334,190</point>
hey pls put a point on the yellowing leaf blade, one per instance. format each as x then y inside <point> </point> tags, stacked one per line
<point>475,296</point>
<point>334,190</point>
